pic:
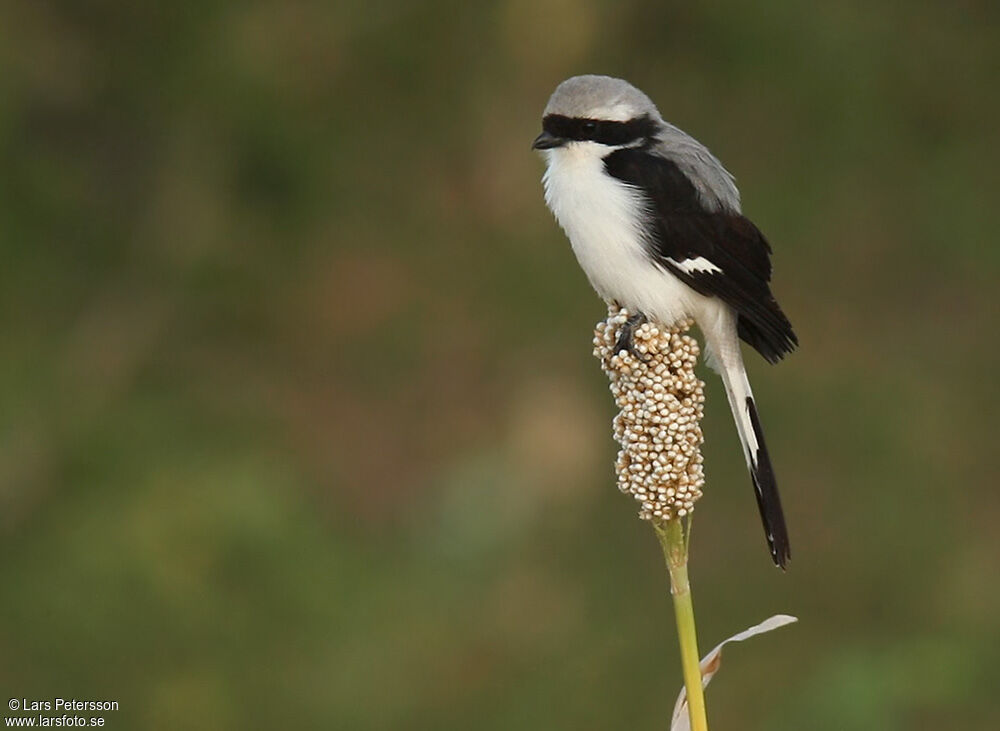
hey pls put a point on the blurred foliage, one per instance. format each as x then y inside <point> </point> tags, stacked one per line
<point>299,426</point>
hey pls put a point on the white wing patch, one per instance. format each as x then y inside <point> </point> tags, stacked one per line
<point>698,264</point>
<point>603,218</point>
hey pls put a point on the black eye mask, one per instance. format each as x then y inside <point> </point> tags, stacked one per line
<point>601,131</point>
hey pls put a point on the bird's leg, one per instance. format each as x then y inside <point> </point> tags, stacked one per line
<point>625,341</point>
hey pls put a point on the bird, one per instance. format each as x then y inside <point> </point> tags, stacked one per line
<point>656,224</point>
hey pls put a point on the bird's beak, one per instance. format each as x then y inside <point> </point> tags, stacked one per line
<point>546,141</point>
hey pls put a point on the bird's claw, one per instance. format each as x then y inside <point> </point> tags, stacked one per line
<point>625,338</point>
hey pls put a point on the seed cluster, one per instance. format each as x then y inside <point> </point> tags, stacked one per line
<point>661,402</point>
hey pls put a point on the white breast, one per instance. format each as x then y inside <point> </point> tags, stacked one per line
<point>603,219</point>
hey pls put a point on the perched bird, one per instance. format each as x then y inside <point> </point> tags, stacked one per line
<point>654,220</point>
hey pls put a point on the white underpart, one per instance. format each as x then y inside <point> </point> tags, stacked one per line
<point>603,218</point>
<point>698,264</point>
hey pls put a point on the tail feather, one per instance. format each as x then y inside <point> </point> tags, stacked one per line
<point>766,491</point>
<point>758,461</point>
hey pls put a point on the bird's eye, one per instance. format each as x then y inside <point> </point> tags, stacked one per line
<point>589,129</point>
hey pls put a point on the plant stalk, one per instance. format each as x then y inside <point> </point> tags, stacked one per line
<point>675,551</point>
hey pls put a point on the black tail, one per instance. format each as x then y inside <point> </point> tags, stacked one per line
<point>766,491</point>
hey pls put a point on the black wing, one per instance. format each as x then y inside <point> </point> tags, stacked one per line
<point>736,258</point>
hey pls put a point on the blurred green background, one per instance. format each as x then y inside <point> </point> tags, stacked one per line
<point>299,425</point>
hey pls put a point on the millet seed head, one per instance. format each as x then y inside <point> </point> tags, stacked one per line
<point>660,401</point>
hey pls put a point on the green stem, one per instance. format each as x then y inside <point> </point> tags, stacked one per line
<point>675,551</point>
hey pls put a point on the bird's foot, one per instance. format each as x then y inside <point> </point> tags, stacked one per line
<point>625,337</point>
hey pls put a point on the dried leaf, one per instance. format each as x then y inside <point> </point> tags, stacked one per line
<point>711,662</point>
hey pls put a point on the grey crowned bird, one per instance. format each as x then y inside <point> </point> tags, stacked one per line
<point>654,220</point>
